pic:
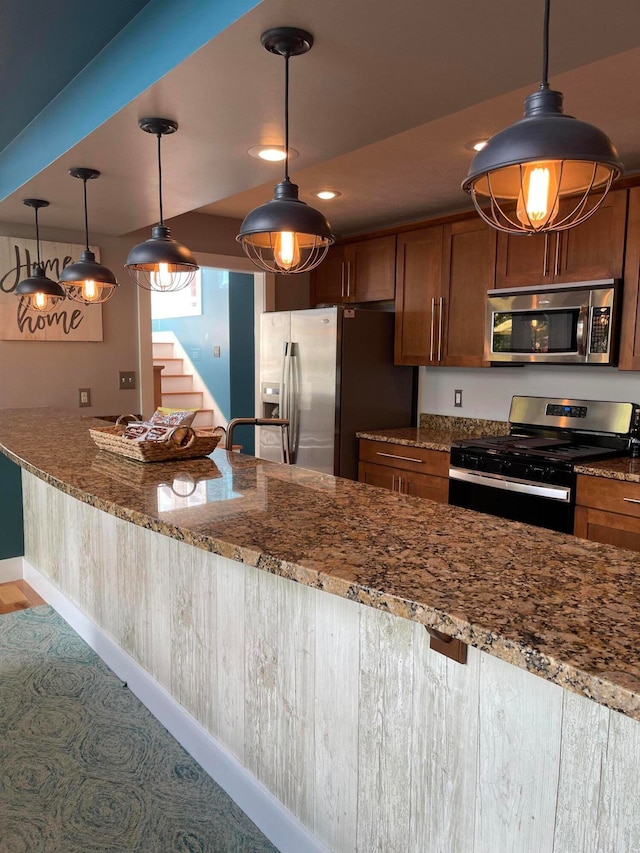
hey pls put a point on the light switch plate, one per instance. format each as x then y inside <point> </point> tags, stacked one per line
<point>127,380</point>
<point>457,398</point>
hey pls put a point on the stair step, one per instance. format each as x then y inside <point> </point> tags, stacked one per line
<point>182,400</point>
<point>162,349</point>
<point>204,418</point>
<point>177,382</point>
<point>171,365</point>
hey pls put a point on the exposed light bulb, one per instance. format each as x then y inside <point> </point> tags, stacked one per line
<point>39,302</point>
<point>287,250</point>
<point>90,290</point>
<point>162,278</point>
<point>538,199</point>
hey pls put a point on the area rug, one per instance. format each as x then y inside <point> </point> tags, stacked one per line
<point>85,767</point>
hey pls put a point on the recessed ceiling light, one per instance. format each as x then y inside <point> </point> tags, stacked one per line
<point>476,144</point>
<point>326,195</point>
<point>272,153</point>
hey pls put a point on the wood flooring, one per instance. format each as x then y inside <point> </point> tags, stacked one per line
<point>18,595</point>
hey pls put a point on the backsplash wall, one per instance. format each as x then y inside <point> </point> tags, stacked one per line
<point>487,393</point>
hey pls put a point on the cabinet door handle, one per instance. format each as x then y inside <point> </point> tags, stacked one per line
<point>348,279</point>
<point>557,260</point>
<point>399,485</point>
<point>403,458</point>
<point>631,500</point>
<point>441,301</point>
<point>433,322</point>
<point>393,482</point>
<point>545,268</point>
<point>342,280</point>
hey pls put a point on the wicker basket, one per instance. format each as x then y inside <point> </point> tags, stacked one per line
<point>111,439</point>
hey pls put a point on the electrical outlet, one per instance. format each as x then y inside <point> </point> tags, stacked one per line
<point>127,380</point>
<point>84,397</point>
<point>216,352</point>
<point>457,398</point>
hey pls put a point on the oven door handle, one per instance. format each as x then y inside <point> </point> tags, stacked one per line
<point>495,481</point>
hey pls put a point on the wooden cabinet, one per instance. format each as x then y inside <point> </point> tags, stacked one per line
<point>363,271</point>
<point>443,274</point>
<point>468,271</point>
<point>406,470</point>
<point>608,511</point>
<point>328,279</point>
<point>590,251</point>
<point>419,296</point>
<point>629,358</point>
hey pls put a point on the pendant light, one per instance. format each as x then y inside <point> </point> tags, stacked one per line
<point>87,281</point>
<point>285,235</point>
<point>519,180</point>
<point>37,291</point>
<point>161,263</point>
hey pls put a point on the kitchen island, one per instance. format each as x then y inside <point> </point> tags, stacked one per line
<point>286,610</point>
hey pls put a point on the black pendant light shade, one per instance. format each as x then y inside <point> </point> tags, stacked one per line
<point>285,235</point>
<point>161,263</point>
<point>38,292</point>
<point>87,281</point>
<point>546,172</point>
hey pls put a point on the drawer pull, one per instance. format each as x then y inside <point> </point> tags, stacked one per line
<point>631,500</point>
<point>404,458</point>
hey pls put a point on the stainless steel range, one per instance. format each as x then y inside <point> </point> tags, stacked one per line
<point>528,475</point>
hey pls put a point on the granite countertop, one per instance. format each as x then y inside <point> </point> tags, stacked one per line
<point>563,608</point>
<point>437,432</point>
<point>625,468</point>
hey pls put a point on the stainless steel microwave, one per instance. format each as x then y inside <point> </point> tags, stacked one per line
<point>552,324</point>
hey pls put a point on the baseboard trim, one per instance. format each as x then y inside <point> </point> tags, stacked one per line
<point>11,569</point>
<point>280,826</point>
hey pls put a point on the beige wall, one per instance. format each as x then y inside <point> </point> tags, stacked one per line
<point>39,373</point>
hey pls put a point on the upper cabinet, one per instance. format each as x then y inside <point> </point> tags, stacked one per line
<point>362,271</point>
<point>468,272</point>
<point>442,277</point>
<point>418,338</point>
<point>587,252</point>
<point>630,324</point>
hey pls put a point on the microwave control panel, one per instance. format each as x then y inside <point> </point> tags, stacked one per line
<point>600,330</point>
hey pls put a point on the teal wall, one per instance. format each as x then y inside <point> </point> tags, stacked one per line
<point>11,527</point>
<point>226,321</point>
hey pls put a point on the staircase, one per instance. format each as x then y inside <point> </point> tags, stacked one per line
<point>179,383</point>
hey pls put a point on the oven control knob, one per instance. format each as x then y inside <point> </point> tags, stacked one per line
<point>505,466</point>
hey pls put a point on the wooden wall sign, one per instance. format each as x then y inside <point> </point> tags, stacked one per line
<point>70,321</point>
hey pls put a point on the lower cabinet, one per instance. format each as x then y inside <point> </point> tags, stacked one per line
<point>406,470</point>
<point>608,511</point>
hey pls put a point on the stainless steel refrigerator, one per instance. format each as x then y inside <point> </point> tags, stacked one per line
<point>330,371</point>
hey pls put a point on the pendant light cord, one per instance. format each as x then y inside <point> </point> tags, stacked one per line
<point>86,216</point>
<point>160,181</point>
<point>38,238</point>
<point>286,116</point>
<point>545,47</point>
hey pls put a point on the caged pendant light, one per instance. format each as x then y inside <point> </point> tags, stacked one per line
<point>285,235</point>
<point>161,263</point>
<point>37,291</point>
<point>546,172</point>
<point>87,281</point>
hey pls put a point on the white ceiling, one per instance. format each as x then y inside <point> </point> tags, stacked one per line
<point>381,109</point>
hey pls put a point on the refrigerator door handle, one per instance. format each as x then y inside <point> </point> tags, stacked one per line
<point>283,382</point>
<point>292,401</point>
<point>288,404</point>
<point>284,402</point>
